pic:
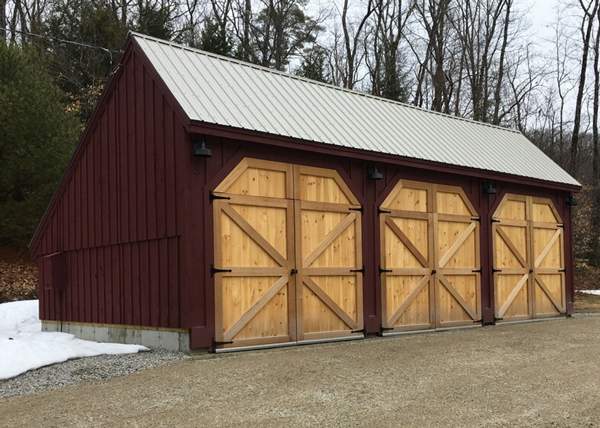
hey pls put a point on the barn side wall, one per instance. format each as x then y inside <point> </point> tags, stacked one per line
<point>206,173</point>
<point>114,227</point>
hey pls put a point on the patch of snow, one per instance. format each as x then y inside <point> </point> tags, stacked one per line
<point>23,345</point>
<point>594,292</point>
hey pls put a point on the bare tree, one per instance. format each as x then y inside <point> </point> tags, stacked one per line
<point>500,77</point>
<point>476,24</point>
<point>352,41</point>
<point>595,158</point>
<point>587,24</point>
<point>433,16</point>
<point>563,81</point>
<point>391,18</point>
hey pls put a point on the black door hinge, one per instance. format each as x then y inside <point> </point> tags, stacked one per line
<point>361,270</point>
<point>212,197</point>
<point>382,211</point>
<point>382,270</point>
<point>356,209</point>
<point>496,270</point>
<point>214,270</point>
<point>476,270</point>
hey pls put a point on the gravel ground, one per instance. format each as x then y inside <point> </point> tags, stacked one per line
<point>536,374</point>
<point>82,370</point>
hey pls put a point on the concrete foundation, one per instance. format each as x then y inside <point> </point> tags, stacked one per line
<point>155,338</point>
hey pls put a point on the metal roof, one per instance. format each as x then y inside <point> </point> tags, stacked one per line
<point>223,91</point>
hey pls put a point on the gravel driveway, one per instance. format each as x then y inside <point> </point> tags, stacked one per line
<point>542,374</point>
<point>82,370</point>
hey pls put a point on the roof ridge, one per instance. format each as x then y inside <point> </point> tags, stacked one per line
<point>315,82</point>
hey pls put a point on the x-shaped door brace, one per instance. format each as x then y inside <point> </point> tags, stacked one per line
<point>329,238</point>
<point>314,255</point>
<point>273,290</point>
<point>423,281</point>
<point>523,280</point>
<point>283,280</point>
<point>255,308</point>
<point>329,302</point>
<point>254,235</point>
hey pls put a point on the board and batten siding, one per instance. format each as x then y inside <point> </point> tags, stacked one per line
<point>116,222</point>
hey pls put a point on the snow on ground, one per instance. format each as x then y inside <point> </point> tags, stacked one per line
<point>594,292</point>
<point>23,345</point>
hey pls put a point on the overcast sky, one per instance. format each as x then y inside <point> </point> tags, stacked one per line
<point>540,13</point>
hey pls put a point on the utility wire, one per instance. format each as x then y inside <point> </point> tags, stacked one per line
<point>70,42</point>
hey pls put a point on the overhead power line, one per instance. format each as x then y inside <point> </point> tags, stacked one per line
<point>108,51</point>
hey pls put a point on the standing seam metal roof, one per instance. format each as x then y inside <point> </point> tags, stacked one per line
<point>223,91</point>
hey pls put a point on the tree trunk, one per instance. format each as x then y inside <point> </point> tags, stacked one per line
<point>246,41</point>
<point>497,93</point>
<point>573,167</point>
<point>595,160</point>
<point>595,220</point>
<point>438,33</point>
<point>3,21</point>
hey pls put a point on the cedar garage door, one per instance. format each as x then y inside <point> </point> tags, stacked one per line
<point>529,279</point>
<point>288,263</point>
<point>430,269</point>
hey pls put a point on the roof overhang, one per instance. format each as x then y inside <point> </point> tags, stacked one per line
<point>209,129</point>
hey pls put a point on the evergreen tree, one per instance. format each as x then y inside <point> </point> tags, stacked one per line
<point>313,64</point>
<point>393,85</point>
<point>281,30</point>
<point>155,19</point>
<point>36,139</point>
<point>213,39</point>
<point>79,71</point>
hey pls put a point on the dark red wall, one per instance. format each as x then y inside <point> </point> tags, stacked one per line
<point>115,216</point>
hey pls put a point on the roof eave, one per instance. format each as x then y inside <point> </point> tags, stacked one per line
<point>199,127</point>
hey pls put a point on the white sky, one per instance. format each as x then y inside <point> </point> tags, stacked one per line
<point>540,13</point>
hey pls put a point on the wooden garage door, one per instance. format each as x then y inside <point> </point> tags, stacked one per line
<point>254,255</point>
<point>328,255</point>
<point>429,258</point>
<point>287,255</point>
<point>528,243</point>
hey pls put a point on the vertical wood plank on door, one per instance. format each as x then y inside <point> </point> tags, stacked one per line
<point>328,255</point>
<point>254,242</point>
<point>529,257</point>
<point>436,222</point>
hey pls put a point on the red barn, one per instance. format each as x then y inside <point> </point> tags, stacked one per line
<point>217,204</point>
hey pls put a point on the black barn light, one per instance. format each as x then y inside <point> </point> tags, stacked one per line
<point>374,174</point>
<point>489,187</point>
<point>199,148</point>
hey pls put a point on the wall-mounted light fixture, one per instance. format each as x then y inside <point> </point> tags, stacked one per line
<point>571,201</point>
<point>199,148</point>
<point>489,187</point>
<point>374,174</point>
